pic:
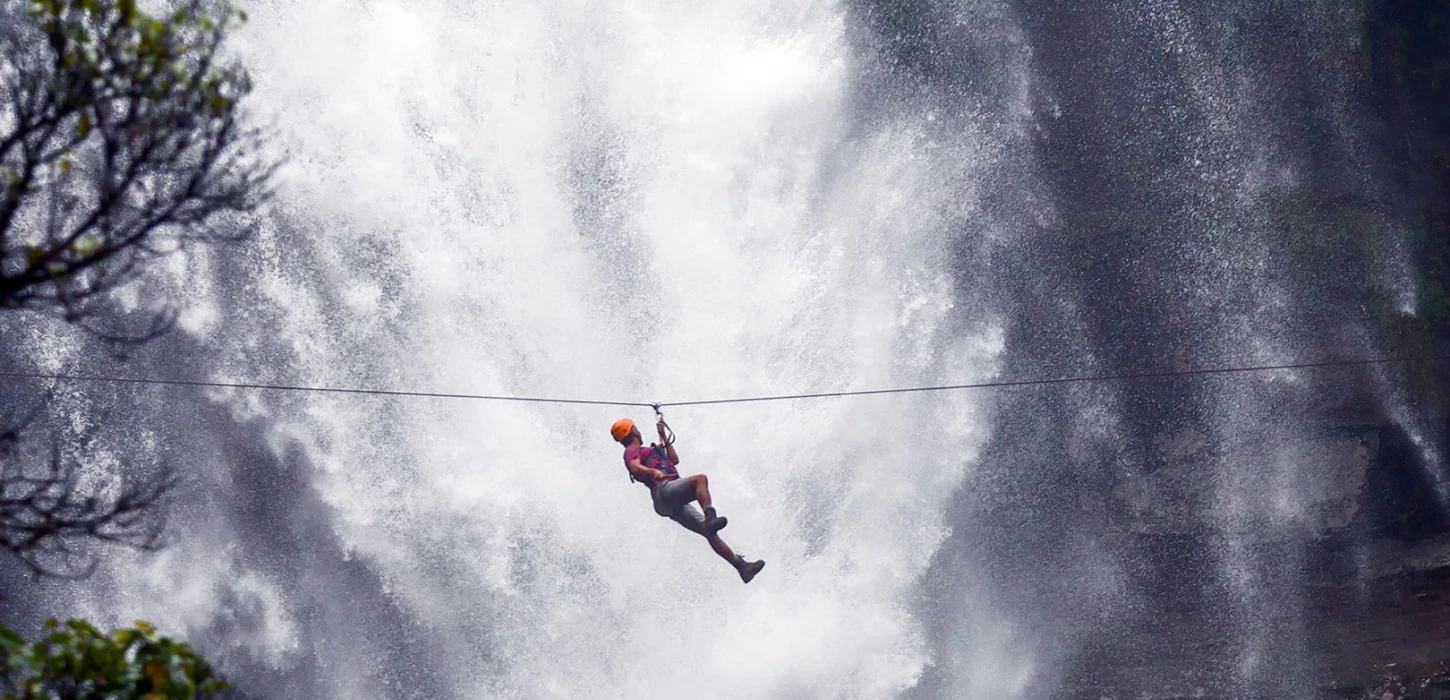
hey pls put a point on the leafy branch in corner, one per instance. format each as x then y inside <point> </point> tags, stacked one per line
<point>76,660</point>
<point>120,141</point>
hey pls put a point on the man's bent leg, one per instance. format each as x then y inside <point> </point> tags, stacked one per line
<point>746,569</point>
<point>701,484</point>
<point>690,517</point>
<point>722,549</point>
<point>702,489</point>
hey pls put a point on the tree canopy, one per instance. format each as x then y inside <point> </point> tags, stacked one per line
<point>120,140</point>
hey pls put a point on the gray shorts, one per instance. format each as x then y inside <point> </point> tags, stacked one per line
<point>673,500</point>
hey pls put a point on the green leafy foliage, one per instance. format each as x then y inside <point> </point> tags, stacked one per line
<point>77,661</point>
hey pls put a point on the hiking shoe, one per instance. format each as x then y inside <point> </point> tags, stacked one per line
<point>714,523</point>
<point>748,569</point>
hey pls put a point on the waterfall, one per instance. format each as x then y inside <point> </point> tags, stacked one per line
<point>643,202</point>
<point>569,200</point>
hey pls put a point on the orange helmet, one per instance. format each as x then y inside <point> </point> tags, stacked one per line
<point>621,429</point>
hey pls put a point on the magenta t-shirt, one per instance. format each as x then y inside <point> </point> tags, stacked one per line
<point>649,458</point>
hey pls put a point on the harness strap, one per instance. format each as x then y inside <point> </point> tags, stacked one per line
<point>664,459</point>
<point>665,465</point>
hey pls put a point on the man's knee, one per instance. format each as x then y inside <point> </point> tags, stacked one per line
<point>700,480</point>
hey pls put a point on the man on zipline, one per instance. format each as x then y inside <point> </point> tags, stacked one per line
<point>654,466</point>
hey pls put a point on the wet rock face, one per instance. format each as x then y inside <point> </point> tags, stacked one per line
<point>1184,494</point>
<point>1345,572</point>
<point>1336,487</point>
<point>1402,499</point>
<point>1396,685</point>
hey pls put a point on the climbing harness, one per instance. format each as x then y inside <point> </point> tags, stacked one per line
<point>661,450</point>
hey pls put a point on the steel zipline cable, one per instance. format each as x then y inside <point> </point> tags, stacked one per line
<point>708,402</point>
<point>312,389</point>
<point>1039,382</point>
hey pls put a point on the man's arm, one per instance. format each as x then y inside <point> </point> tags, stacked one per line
<point>669,446</point>
<point>641,472</point>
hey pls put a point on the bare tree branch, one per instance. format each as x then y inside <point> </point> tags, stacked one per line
<point>119,142</point>
<point>52,515</point>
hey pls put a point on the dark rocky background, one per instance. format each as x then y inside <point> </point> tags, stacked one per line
<point>1231,183</point>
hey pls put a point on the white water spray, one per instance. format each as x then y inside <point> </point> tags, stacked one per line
<point>633,202</point>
